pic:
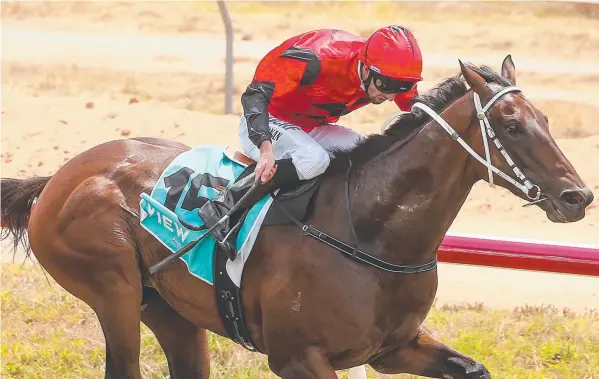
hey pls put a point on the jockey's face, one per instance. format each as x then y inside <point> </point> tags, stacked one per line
<point>376,96</point>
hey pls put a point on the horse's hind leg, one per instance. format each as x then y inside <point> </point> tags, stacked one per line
<point>106,277</point>
<point>119,315</point>
<point>113,294</point>
<point>429,357</point>
<point>185,345</point>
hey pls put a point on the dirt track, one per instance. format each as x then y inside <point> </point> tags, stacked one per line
<point>52,68</point>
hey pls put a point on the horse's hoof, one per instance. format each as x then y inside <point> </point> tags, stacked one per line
<point>478,371</point>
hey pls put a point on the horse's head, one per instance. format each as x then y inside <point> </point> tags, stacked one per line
<point>540,172</point>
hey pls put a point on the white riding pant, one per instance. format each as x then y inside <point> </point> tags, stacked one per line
<point>310,152</point>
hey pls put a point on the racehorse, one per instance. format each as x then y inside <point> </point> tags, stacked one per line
<point>308,307</point>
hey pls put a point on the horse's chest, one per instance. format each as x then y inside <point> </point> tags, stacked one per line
<point>385,319</point>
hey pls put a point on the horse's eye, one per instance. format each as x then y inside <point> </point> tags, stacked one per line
<point>513,128</point>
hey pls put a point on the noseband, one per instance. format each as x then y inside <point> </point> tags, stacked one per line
<point>532,191</point>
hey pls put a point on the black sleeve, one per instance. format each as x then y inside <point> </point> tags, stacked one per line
<point>255,102</point>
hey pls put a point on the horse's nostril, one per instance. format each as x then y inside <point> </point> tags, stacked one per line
<point>573,197</point>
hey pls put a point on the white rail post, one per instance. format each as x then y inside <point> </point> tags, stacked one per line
<point>224,12</point>
<point>358,372</point>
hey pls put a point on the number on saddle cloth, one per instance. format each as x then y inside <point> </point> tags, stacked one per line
<point>190,180</point>
<point>177,183</point>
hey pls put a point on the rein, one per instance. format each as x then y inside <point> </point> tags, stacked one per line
<point>481,113</point>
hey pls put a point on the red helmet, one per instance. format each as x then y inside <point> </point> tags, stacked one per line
<point>394,55</point>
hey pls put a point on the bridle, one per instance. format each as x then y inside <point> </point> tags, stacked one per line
<point>532,191</point>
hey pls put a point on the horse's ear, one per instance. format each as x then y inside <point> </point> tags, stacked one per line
<point>475,81</point>
<point>508,69</point>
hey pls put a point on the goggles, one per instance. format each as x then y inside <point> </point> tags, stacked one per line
<point>389,85</point>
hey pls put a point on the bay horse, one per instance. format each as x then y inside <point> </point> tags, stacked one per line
<point>309,308</point>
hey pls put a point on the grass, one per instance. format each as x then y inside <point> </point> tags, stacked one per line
<point>48,333</point>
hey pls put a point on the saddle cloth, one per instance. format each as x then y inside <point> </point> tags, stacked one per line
<point>186,184</point>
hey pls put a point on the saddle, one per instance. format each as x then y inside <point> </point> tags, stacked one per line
<point>297,200</point>
<point>238,156</point>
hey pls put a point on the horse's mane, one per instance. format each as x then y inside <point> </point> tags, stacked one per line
<point>406,127</point>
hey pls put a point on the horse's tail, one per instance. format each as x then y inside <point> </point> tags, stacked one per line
<point>16,196</point>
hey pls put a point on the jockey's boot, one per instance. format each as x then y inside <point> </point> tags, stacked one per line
<point>213,210</point>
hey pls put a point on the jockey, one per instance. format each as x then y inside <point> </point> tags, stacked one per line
<point>299,90</point>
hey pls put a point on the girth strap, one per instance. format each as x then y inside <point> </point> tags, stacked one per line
<point>228,303</point>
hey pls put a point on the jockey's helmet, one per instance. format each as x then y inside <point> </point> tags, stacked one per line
<point>394,59</point>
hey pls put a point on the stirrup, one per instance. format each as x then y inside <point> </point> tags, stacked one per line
<point>229,242</point>
<point>228,248</point>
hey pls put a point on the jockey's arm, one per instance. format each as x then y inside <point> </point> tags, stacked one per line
<point>404,100</point>
<point>274,78</point>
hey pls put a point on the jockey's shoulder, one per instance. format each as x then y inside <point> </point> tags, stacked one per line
<point>328,43</point>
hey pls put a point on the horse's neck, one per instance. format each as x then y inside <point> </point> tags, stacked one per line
<point>404,201</point>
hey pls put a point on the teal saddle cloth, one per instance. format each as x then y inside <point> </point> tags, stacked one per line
<point>187,182</point>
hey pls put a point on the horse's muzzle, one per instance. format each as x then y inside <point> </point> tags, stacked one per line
<point>570,206</point>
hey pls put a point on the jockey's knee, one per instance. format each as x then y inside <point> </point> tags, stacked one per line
<point>311,162</point>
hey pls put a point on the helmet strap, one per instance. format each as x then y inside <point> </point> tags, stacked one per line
<point>365,82</point>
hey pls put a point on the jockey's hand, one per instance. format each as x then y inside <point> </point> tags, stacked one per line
<point>266,168</point>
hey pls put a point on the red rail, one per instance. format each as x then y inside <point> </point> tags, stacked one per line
<point>520,254</point>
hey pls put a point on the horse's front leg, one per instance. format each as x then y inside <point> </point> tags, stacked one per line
<point>310,363</point>
<point>427,356</point>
